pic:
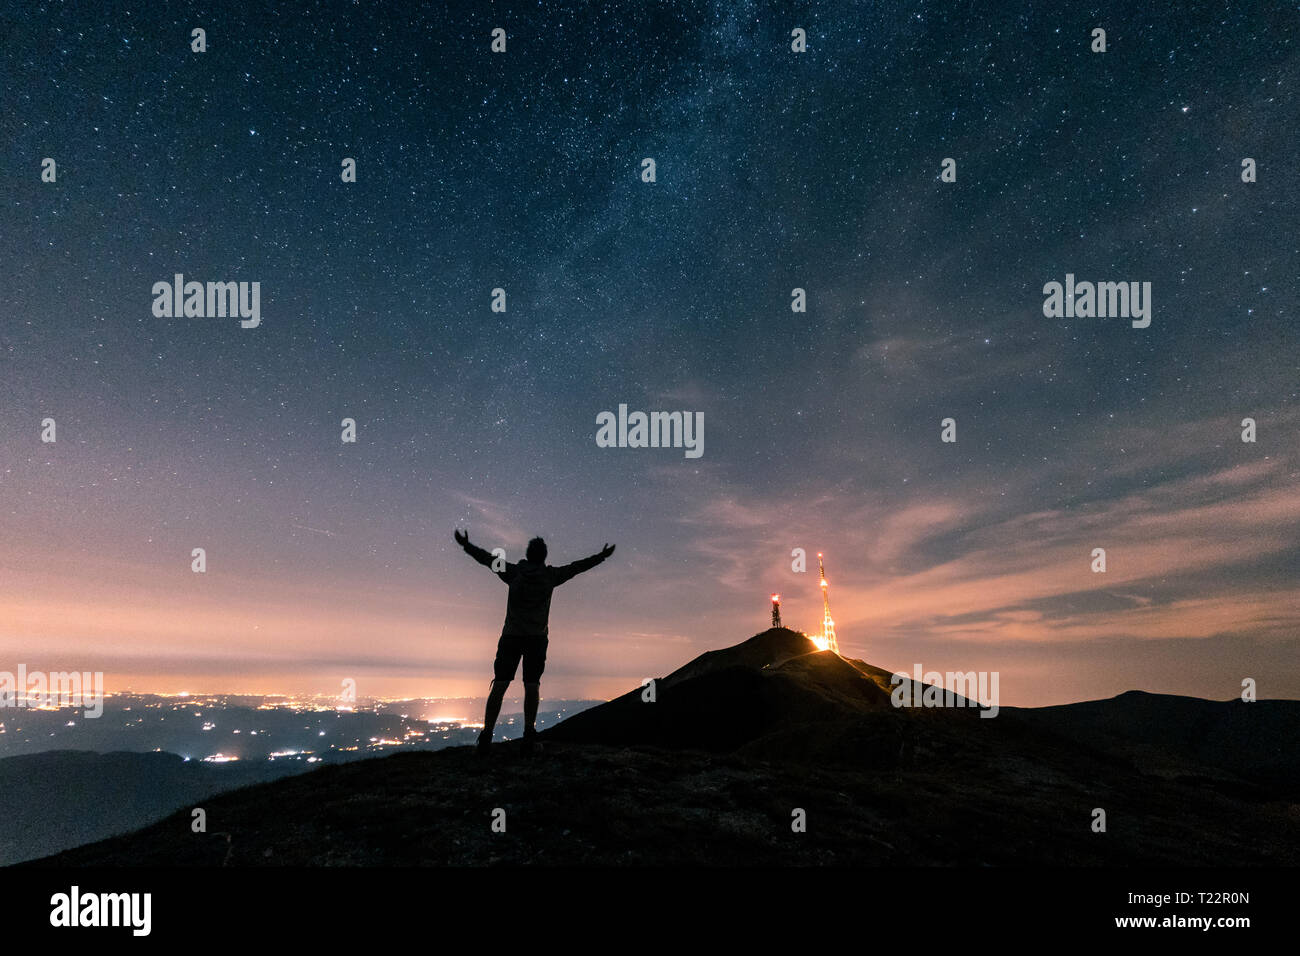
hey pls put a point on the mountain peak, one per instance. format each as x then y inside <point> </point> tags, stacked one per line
<point>728,698</point>
<point>773,646</point>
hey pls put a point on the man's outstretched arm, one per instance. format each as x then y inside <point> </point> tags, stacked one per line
<point>474,551</point>
<point>585,564</point>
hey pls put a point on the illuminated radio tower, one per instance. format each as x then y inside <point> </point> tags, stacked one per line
<point>827,641</point>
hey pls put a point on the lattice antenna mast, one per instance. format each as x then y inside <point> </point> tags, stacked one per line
<point>828,625</point>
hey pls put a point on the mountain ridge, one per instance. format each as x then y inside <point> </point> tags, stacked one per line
<point>738,741</point>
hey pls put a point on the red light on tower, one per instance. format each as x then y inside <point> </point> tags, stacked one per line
<point>776,610</point>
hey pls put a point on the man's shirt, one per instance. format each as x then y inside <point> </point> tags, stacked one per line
<point>528,608</point>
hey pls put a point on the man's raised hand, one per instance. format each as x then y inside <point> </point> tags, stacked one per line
<point>462,537</point>
<point>606,551</point>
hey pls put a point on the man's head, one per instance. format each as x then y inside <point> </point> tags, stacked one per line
<point>536,551</point>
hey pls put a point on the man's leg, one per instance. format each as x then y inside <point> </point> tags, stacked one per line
<point>493,710</point>
<point>532,696</point>
<point>534,664</point>
<point>503,672</point>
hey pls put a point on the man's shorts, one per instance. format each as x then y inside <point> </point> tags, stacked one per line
<point>511,649</point>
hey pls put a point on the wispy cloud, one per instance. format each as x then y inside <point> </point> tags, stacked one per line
<point>490,521</point>
<point>1183,556</point>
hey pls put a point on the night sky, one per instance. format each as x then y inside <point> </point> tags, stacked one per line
<point>775,170</point>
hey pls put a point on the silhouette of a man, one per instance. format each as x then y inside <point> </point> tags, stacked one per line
<point>524,635</point>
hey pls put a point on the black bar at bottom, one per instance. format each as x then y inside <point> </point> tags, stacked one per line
<point>962,906</point>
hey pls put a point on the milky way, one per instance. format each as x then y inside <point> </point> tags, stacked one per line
<point>774,171</point>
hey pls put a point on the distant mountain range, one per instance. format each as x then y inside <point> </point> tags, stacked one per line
<point>742,742</point>
<point>63,798</point>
